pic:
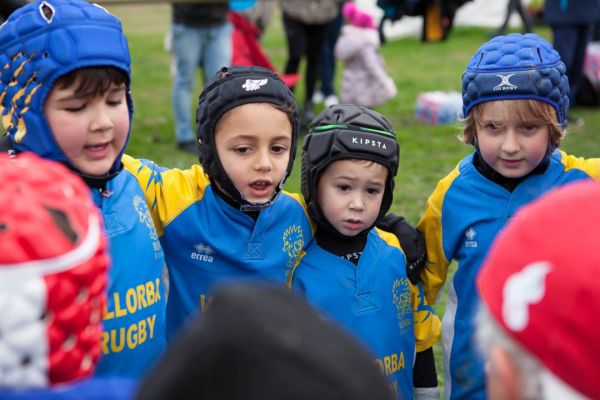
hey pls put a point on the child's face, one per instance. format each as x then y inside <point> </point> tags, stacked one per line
<point>512,145</point>
<point>253,142</point>
<point>350,194</point>
<point>90,130</point>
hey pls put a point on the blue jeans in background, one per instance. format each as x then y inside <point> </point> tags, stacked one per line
<point>195,47</point>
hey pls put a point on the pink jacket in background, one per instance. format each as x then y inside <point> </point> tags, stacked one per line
<point>365,81</point>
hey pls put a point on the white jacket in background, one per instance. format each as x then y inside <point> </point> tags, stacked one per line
<point>365,81</point>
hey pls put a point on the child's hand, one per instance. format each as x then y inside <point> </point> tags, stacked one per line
<point>411,242</point>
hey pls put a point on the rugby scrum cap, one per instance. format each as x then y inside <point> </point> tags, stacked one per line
<point>39,43</point>
<point>346,131</point>
<point>257,342</point>
<point>53,267</point>
<point>542,289</point>
<point>231,87</point>
<point>516,67</point>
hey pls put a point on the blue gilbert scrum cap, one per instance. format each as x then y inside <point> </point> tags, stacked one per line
<point>41,42</point>
<point>516,67</point>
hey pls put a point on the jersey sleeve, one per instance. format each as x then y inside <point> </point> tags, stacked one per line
<point>168,192</point>
<point>437,264</point>
<point>427,324</point>
<point>591,166</point>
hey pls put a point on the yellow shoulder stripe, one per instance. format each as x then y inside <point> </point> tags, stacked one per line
<point>436,267</point>
<point>389,238</point>
<point>590,166</point>
<point>168,191</point>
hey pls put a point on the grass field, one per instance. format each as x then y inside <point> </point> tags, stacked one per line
<point>427,152</point>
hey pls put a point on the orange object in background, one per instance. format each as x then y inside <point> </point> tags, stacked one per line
<point>433,31</point>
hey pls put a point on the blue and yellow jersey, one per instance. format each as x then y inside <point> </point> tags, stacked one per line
<point>461,219</point>
<point>134,318</point>
<point>207,241</point>
<point>375,301</point>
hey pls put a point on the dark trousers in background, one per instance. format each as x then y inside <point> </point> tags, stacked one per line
<point>570,41</point>
<point>327,62</point>
<point>516,5</point>
<point>304,40</point>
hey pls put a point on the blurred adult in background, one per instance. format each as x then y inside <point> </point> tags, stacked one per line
<point>571,22</point>
<point>515,5</point>
<point>8,6</point>
<point>326,92</point>
<point>537,326</point>
<point>260,14</point>
<point>201,39</point>
<point>306,23</point>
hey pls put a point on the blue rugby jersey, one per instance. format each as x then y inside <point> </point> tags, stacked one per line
<point>461,219</point>
<point>134,318</point>
<point>375,301</point>
<point>207,241</point>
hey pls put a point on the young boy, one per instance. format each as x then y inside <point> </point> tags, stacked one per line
<point>64,91</point>
<point>352,271</point>
<point>54,261</point>
<point>234,222</point>
<point>515,96</point>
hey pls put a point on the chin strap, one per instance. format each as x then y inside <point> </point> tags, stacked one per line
<point>97,182</point>
<point>246,205</point>
<point>323,223</point>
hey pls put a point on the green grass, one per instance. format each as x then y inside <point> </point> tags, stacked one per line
<point>427,152</point>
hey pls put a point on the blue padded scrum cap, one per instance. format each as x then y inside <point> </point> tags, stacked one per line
<point>516,67</point>
<point>39,43</point>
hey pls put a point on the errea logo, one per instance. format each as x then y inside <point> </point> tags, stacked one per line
<point>203,253</point>
<point>254,84</point>
<point>505,83</point>
<point>369,142</point>
<point>470,236</point>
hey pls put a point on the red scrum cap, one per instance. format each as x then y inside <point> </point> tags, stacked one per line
<point>53,266</point>
<point>540,282</point>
